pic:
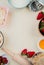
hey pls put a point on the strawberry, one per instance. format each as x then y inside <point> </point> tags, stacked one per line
<point>40,15</point>
<point>42,20</point>
<point>4,60</point>
<point>30,54</point>
<point>0,58</point>
<point>24,52</point>
<point>42,30</point>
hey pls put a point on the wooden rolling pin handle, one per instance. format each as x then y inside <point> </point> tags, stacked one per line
<point>8,52</point>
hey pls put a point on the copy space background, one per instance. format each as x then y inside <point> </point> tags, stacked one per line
<point>21,30</point>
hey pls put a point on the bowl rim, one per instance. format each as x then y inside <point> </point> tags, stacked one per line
<point>38,27</point>
<point>19,7</point>
<point>3,39</point>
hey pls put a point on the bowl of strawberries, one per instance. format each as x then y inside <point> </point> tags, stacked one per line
<point>3,60</point>
<point>40,17</point>
<point>41,26</point>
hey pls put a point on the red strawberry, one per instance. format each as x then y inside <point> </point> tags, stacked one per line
<point>42,20</point>
<point>0,63</point>
<point>30,54</point>
<point>0,58</point>
<point>42,30</point>
<point>4,60</point>
<point>40,15</point>
<point>24,52</point>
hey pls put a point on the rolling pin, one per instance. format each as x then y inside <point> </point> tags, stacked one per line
<point>16,57</point>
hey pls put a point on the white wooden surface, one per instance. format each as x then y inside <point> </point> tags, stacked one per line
<point>21,31</point>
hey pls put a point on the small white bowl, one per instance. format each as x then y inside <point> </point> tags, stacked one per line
<point>42,50</point>
<point>19,3</point>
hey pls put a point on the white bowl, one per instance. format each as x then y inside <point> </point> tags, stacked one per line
<point>39,46</point>
<point>19,3</point>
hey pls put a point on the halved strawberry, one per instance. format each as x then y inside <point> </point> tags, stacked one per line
<point>24,52</point>
<point>40,15</point>
<point>30,54</point>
